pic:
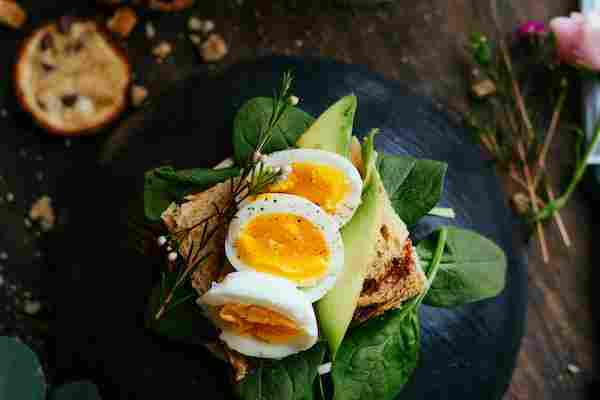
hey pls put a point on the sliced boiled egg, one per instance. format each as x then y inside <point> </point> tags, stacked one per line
<point>290,237</point>
<point>261,315</point>
<point>327,179</point>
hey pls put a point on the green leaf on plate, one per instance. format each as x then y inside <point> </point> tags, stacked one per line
<point>250,121</point>
<point>413,185</point>
<point>377,358</point>
<point>81,390</point>
<point>163,185</point>
<point>472,268</point>
<point>21,375</point>
<point>183,319</point>
<point>290,378</point>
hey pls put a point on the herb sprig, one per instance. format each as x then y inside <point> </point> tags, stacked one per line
<point>253,179</point>
<point>513,134</point>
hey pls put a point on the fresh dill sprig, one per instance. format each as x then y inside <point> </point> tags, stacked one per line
<point>253,179</point>
<point>281,103</point>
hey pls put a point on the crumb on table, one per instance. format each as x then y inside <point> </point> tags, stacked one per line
<point>42,211</point>
<point>138,95</point>
<point>123,21</point>
<point>214,48</point>
<point>11,14</point>
<point>162,50</point>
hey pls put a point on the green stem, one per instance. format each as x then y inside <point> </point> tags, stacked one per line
<point>555,205</point>
<point>430,273</point>
<point>444,212</point>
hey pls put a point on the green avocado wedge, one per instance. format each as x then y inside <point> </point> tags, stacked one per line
<point>332,131</point>
<point>336,309</point>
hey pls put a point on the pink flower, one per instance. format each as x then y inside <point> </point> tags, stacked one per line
<point>578,39</point>
<point>531,28</point>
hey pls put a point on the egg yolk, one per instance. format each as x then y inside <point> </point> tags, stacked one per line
<point>285,245</point>
<point>323,185</point>
<point>259,322</point>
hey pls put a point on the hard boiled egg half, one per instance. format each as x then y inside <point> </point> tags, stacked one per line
<point>261,315</point>
<point>289,237</point>
<point>325,178</point>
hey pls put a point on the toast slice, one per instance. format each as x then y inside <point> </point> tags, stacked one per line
<point>394,273</point>
<point>72,77</point>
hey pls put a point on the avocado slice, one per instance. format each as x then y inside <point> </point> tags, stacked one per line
<point>336,309</point>
<point>333,129</point>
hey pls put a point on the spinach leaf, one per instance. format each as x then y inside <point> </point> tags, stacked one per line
<point>183,321</point>
<point>414,185</point>
<point>377,358</point>
<point>290,378</point>
<point>80,390</point>
<point>472,268</point>
<point>164,185</point>
<point>250,121</point>
<point>21,375</point>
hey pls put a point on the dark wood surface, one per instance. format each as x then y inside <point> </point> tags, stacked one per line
<point>421,43</point>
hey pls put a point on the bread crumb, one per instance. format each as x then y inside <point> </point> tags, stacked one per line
<point>195,24</point>
<point>483,88</point>
<point>162,50</point>
<point>574,369</point>
<point>195,39</point>
<point>150,30</point>
<point>138,95</point>
<point>214,49</point>
<point>32,307</point>
<point>10,197</point>
<point>43,212</point>
<point>123,22</point>
<point>11,14</point>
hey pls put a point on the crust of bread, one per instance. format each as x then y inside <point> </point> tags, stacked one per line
<point>394,274</point>
<point>20,79</point>
<point>196,208</point>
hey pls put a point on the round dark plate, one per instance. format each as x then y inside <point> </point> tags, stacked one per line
<point>102,285</point>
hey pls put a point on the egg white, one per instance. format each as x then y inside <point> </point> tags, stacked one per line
<point>346,208</point>
<point>270,292</point>
<point>295,205</point>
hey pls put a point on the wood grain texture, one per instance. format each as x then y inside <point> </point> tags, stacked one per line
<point>419,42</point>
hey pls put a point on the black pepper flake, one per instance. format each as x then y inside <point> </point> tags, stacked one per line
<point>69,100</point>
<point>73,48</point>
<point>46,42</point>
<point>47,67</point>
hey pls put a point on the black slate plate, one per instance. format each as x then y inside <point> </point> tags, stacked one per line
<point>102,286</point>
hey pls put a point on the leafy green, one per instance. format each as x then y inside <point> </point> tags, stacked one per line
<point>82,390</point>
<point>163,185</point>
<point>254,116</point>
<point>472,268</point>
<point>377,358</point>
<point>21,375</point>
<point>183,319</point>
<point>290,378</point>
<point>413,185</point>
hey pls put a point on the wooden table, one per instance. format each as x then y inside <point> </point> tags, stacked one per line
<point>420,42</point>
